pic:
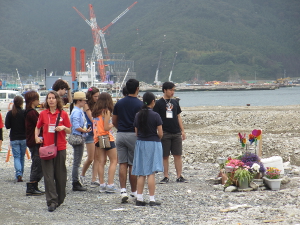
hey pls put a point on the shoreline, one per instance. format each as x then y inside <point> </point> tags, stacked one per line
<point>241,108</point>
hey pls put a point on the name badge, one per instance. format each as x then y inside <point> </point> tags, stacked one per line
<point>169,114</point>
<point>51,128</point>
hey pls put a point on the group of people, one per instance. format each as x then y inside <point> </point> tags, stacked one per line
<point>148,131</point>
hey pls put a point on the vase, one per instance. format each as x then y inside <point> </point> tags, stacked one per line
<point>273,184</point>
<point>243,184</point>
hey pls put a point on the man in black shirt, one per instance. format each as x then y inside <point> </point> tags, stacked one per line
<point>169,111</point>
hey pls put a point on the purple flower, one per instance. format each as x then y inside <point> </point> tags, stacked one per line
<point>250,158</point>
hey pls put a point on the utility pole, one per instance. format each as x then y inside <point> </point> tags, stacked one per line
<point>45,79</point>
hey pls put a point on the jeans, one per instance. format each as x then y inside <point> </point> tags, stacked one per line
<point>78,152</point>
<point>18,149</point>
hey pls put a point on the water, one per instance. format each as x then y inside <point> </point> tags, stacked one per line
<point>278,97</point>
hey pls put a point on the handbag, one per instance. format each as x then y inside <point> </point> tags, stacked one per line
<point>104,141</point>
<point>50,152</point>
<point>75,139</point>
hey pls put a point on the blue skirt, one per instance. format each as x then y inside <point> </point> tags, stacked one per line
<point>148,158</point>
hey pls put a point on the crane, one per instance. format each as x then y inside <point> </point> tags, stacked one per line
<point>172,67</point>
<point>19,79</point>
<point>97,51</point>
<point>157,70</point>
<point>101,31</point>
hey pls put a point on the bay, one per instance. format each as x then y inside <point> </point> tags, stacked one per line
<point>278,97</point>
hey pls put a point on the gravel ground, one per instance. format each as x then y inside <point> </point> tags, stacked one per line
<point>211,133</point>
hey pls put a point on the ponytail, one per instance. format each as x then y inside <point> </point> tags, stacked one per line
<point>148,98</point>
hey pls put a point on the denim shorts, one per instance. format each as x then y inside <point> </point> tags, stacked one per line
<point>89,138</point>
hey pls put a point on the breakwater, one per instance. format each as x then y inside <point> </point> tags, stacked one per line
<point>215,88</point>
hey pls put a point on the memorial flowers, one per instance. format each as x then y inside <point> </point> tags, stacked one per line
<point>243,173</point>
<point>255,167</point>
<point>250,159</point>
<point>272,173</point>
<point>239,172</point>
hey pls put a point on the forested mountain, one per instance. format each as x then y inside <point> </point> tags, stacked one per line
<point>215,39</point>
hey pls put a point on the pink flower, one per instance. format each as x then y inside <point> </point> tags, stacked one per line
<point>235,163</point>
<point>90,89</point>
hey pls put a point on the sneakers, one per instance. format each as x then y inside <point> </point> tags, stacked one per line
<point>82,180</point>
<point>95,184</point>
<point>154,203</point>
<point>133,197</point>
<point>124,197</point>
<point>102,189</point>
<point>181,180</point>
<point>110,189</point>
<point>140,203</point>
<point>164,181</point>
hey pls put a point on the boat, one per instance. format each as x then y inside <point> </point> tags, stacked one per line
<point>7,98</point>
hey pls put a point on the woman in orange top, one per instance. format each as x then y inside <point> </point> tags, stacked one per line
<point>102,125</point>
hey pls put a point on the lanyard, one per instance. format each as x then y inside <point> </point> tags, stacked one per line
<point>168,103</point>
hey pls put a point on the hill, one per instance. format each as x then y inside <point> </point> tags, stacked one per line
<point>214,40</point>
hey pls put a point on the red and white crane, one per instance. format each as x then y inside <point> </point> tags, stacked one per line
<point>97,51</point>
<point>98,35</point>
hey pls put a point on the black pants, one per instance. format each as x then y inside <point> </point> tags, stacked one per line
<point>1,134</point>
<point>55,178</point>
<point>36,172</point>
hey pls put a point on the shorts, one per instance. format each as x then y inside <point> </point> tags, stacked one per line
<point>125,142</point>
<point>89,138</point>
<point>171,143</point>
<point>112,145</point>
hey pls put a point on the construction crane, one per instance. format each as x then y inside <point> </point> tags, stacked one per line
<point>157,70</point>
<point>102,30</point>
<point>97,51</point>
<point>19,79</point>
<point>170,77</point>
